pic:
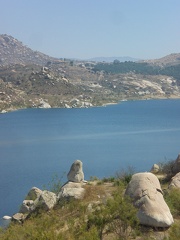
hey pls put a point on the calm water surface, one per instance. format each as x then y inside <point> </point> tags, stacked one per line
<point>35,144</point>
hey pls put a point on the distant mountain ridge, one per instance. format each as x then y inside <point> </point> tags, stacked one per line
<point>111,59</point>
<point>12,51</point>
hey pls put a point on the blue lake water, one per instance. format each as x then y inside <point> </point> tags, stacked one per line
<point>35,144</point>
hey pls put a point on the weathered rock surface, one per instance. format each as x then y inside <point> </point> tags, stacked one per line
<point>175,181</point>
<point>155,168</point>
<point>35,199</point>
<point>72,190</point>
<point>74,187</point>
<point>27,206</point>
<point>47,200</point>
<point>19,217</point>
<point>176,167</point>
<point>33,194</point>
<point>145,190</point>
<point>76,172</point>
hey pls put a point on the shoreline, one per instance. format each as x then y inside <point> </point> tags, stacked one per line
<point>8,110</point>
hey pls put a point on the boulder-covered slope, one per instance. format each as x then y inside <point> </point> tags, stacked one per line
<point>32,79</point>
<point>13,51</point>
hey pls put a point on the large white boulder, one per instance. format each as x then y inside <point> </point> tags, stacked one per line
<point>146,192</point>
<point>76,172</point>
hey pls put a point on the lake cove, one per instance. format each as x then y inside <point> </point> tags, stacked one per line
<point>36,144</point>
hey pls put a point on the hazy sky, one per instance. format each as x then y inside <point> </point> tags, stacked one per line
<point>94,28</point>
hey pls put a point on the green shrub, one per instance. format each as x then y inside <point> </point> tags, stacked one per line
<point>118,216</point>
<point>174,233</point>
<point>172,197</point>
<point>125,175</point>
<point>109,179</point>
<point>92,234</point>
<point>94,178</point>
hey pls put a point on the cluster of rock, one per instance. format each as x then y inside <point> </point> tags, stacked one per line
<point>37,199</point>
<point>144,189</point>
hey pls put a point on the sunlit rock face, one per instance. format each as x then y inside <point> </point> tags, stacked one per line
<point>74,187</point>
<point>76,172</point>
<point>146,192</point>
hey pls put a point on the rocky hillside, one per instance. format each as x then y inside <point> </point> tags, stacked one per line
<point>32,79</point>
<point>13,51</point>
<point>169,60</point>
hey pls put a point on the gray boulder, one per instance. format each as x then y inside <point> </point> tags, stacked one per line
<point>76,172</point>
<point>155,168</point>
<point>35,199</point>
<point>146,192</point>
<point>33,194</point>
<point>72,190</point>
<point>47,200</point>
<point>175,181</point>
<point>27,206</point>
<point>19,217</point>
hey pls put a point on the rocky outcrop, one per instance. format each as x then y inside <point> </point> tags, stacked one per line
<point>74,187</point>
<point>175,181</point>
<point>72,190</point>
<point>47,200</point>
<point>76,172</point>
<point>145,190</point>
<point>13,51</point>
<point>34,193</point>
<point>35,199</point>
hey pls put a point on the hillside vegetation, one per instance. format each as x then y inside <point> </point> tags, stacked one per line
<point>103,214</point>
<point>31,79</point>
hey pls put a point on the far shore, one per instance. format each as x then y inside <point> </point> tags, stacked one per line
<point>103,105</point>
